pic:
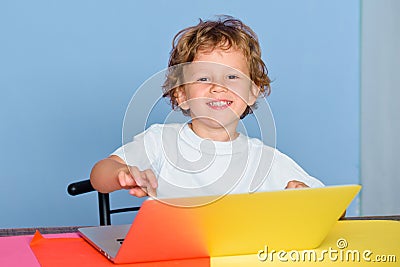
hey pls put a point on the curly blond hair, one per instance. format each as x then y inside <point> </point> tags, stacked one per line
<point>223,33</point>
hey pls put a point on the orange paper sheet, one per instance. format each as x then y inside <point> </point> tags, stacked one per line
<point>77,252</point>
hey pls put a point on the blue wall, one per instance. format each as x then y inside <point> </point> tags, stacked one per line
<point>69,68</point>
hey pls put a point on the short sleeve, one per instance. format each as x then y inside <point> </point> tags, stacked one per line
<point>142,150</point>
<point>290,170</point>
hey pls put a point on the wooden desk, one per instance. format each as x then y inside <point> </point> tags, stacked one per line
<point>391,217</point>
<point>43,230</point>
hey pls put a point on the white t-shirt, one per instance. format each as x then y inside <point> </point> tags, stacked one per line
<point>188,165</point>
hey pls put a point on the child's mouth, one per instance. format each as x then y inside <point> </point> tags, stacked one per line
<point>219,104</point>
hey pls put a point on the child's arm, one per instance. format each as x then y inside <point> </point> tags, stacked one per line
<point>112,173</point>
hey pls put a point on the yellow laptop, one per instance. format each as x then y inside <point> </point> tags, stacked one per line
<point>235,224</point>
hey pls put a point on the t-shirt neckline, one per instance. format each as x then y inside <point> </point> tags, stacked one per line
<point>238,145</point>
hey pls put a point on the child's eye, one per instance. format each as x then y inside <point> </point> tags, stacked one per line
<point>203,79</point>
<point>232,77</point>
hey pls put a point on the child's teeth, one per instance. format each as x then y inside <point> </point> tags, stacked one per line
<point>220,103</point>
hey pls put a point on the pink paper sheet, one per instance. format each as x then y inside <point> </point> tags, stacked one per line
<point>15,250</point>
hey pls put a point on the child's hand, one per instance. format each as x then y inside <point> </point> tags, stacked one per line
<point>139,183</point>
<point>296,184</point>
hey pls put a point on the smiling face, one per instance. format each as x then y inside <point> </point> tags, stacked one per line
<point>217,92</point>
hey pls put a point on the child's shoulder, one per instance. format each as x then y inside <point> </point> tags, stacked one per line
<point>258,144</point>
<point>159,127</point>
<point>165,131</point>
<point>270,151</point>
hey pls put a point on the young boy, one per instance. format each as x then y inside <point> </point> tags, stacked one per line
<point>216,74</point>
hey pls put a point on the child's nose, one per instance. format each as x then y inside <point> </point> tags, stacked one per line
<point>217,88</point>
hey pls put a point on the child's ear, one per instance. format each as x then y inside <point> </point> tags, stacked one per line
<point>254,93</point>
<point>180,97</point>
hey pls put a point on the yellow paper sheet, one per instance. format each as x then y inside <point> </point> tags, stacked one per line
<point>350,243</point>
